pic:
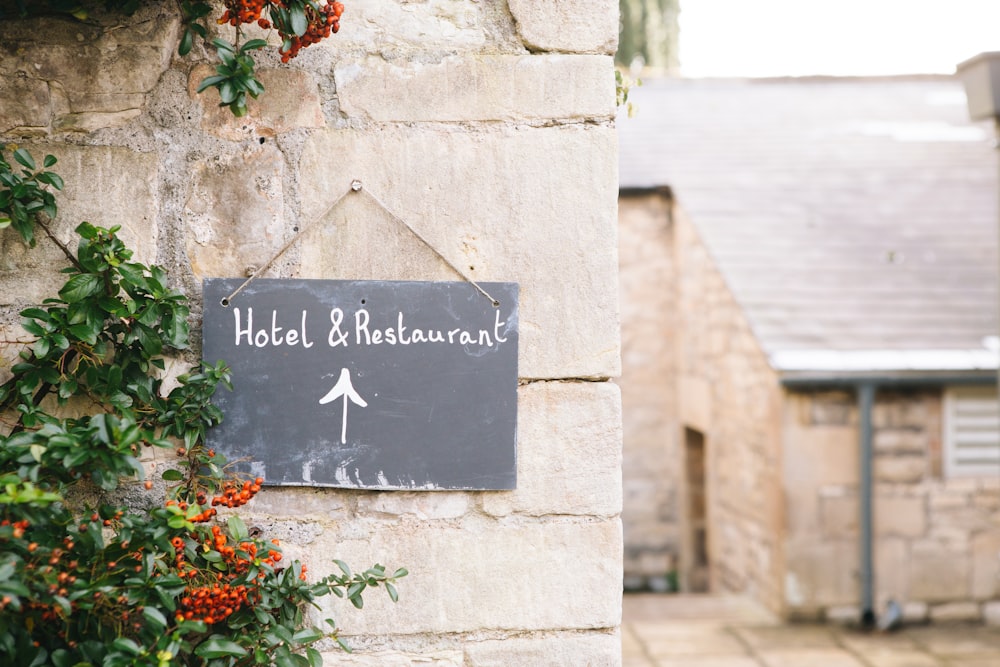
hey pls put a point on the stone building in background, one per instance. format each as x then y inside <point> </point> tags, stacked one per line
<point>807,267</point>
<point>489,128</point>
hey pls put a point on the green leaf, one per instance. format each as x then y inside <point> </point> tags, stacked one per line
<point>80,286</point>
<point>343,567</point>
<point>155,618</point>
<point>218,646</point>
<point>307,636</point>
<point>49,161</point>
<point>52,179</point>
<point>237,528</point>
<point>253,44</point>
<point>187,41</point>
<point>298,18</point>
<point>23,158</point>
<point>126,645</point>
<point>172,475</point>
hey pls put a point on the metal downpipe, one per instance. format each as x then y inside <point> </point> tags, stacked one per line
<point>866,401</point>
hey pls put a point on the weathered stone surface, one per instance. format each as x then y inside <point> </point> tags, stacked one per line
<point>938,573</point>
<point>651,474</point>
<point>481,574</point>
<point>487,87</point>
<point>986,565</point>
<point>892,570</point>
<point>27,106</point>
<point>915,612</point>
<point>290,101</point>
<point>395,659</point>
<point>234,212</point>
<point>418,505</point>
<point>900,441</point>
<point>432,26</point>
<point>569,650</point>
<point>991,613</point>
<point>839,514</point>
<point>301,502</point>
<point>102,71</point>
<point>567,25</point>
<point>904,516</point>
<point>549,227</point>
<point>105,186</point>
<point>568,451</point>
<point>955,611</point>
<point>900,469</point>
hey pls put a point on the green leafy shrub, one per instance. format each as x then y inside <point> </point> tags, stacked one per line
<point>85,577</point>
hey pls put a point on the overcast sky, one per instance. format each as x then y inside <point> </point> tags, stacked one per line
<point>833,37</point>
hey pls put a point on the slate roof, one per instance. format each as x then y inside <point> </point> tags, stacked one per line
<point>854,220</point>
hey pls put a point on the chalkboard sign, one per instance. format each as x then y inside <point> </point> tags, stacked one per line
<point>367,384</point>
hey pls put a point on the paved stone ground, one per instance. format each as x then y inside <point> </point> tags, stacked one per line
<point>708,631</point>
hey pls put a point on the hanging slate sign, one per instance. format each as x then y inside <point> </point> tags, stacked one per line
<point>367,384</point>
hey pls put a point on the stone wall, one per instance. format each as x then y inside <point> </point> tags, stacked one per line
<point>651,472</point>
<point>488,127</point>
<point>935,539</point>
<point>692,365</point>
<point>728,392</point>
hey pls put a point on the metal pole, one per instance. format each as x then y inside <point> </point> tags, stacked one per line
<point>866,400</point>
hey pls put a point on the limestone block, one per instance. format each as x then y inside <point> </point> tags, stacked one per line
<point>900,469</point>
<point>561,650</point>
<point>839,515</point>
<point>986,565</point>
<point>420,505</point>
<point>301,502</point>
<point>535,206</point>
<point>812,584</point>
<point>486,87</point>
<point>991,613</point>
<point>831,408</point>
<point>842,614</point>
<point>568,451</point>
<point>892,569</point>
<point>915,612</point>
<point>394,659</point>
<point>27,106</point>
<point>104,72</point>
<point>903,516</point>
<point>941,500</point>
<point>567,25</point>
<point>900,441</point>
<point>955,611</point>
<point>428,26</point>
<point>290,101</point>
<point>234,212</point>
<point>105,186</point>
<point>938,573</point>
<point>480,575</point>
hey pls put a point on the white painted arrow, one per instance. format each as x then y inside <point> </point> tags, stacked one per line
<point>346,389</point>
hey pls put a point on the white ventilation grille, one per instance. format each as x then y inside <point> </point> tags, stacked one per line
<point>971,432</point>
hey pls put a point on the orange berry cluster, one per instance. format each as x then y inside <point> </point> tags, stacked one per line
<point>211,604</point>
<point>234,495</point>
<point>204,515</point>
<point>321,24</point>
<point>244,11</point>
<point>19,527</point>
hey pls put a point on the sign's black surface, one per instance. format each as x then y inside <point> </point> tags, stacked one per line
<point>367,384</point>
